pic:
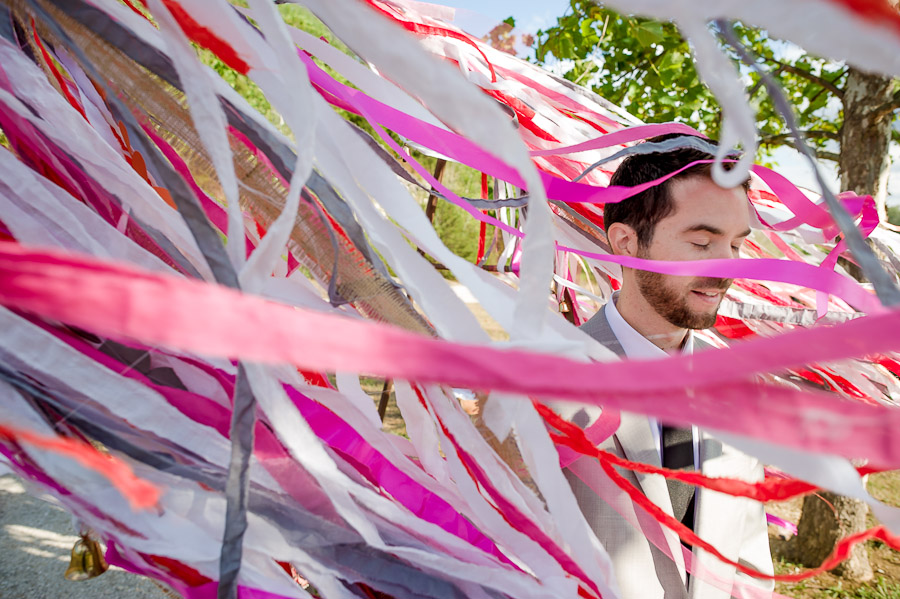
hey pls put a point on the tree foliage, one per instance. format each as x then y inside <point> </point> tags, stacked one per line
<point>645,66</point>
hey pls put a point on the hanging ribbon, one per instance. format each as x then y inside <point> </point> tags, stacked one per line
<point>140,494</point>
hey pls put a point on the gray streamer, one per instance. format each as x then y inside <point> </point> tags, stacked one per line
<point>244,403</point>
<point>310,531</point>
<point>6,26</point>
<point>884,285</point>
<point>116,35</point>
<point>804,317</point>
<point>667,145</point>
<point>237,487</point>
<point>333,297</point>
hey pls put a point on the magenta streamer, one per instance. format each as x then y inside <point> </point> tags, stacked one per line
<point>712,389</point>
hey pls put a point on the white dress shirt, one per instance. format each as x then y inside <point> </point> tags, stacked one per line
<point>638,347</point>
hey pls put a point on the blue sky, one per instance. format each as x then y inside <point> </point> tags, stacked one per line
<point>530,15</point>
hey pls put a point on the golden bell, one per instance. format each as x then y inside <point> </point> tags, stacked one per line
<point>86,561</point>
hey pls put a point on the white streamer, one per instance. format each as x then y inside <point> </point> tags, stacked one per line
<point>209,121</point>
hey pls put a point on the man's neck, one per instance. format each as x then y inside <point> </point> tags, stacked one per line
<point>635,310</point>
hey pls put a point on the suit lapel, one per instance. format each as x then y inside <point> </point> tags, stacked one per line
<point>637,443</point>
<point>598,328</point>
<point>634,434</point>
<point>716,522</point>
<point>636,440</point>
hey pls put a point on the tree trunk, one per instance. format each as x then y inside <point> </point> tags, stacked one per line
<point>825,520</point>
<point>865,136</point>
<point>864,166</point>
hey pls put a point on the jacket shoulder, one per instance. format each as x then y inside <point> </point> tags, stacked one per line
<point>598,328</point>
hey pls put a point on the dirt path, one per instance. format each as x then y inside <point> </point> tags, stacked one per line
<point>36,539</point>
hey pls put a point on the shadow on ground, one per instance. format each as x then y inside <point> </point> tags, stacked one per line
<point>36,539</point>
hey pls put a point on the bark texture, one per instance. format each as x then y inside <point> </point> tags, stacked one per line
<point>826,519</point>
<point>864,167</point>
<point>865,136</point>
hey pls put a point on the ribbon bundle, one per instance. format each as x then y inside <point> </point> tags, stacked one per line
<point>203,367</point>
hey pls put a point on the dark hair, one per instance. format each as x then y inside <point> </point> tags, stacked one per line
<point>644,210</point>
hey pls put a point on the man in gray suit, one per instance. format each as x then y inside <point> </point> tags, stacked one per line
<point>687,217</point>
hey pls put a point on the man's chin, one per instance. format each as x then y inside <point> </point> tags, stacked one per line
<point>693,319</point>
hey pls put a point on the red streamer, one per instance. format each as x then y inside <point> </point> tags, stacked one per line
<point>777,489</point>
<point>139,493</point>
<point>771,489</point>
<point>840,553</point>
<point>136,10</point>
<point>876,12</point>
<point>63,84</point>
<point>482,231</point>
<point>206,37</point>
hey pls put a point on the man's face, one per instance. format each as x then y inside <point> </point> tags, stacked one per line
<point>707,222</point>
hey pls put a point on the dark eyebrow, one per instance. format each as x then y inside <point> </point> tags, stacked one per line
<point>712,230</point>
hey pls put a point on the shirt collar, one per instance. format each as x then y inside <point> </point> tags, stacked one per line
<point>637,346</point>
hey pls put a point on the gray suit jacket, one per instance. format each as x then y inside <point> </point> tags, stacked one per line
<point>735,526</point>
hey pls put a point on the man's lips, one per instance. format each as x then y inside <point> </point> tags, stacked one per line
<point>711,296</point>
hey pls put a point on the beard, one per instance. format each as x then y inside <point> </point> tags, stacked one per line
<point>672,304</point>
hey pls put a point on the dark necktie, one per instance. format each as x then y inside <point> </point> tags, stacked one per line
<point>678,454</point>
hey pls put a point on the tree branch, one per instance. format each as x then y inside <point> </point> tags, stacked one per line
<point>823,155</point>
<point>829,85</point>
<point>759,83</point>
<point>888,107</point>
<point>781,138</point>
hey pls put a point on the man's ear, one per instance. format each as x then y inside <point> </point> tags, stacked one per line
<point>622,239</point>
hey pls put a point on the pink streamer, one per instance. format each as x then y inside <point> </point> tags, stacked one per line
<point>623,136</point>
<point>766,269</point>
<point>711,389</point>
<point>463,150</point>
<point>788,526</point>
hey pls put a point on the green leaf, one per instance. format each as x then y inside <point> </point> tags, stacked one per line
<point>649,33</point>
<point>587,27</point>
<point>671,60</point>
<point>566,47</point>
<point>667,76</point>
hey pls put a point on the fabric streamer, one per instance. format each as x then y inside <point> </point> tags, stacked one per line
<point>193,296</point>
<point>41,282</point>
<point>140,494</point>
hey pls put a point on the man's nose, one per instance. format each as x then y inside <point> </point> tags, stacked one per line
<point>724,251</point>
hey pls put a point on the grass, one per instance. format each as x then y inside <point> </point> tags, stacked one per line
<point>885,487</point>
<point>885,562</point>
<point>880,589</point>
<point>828,586</point>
